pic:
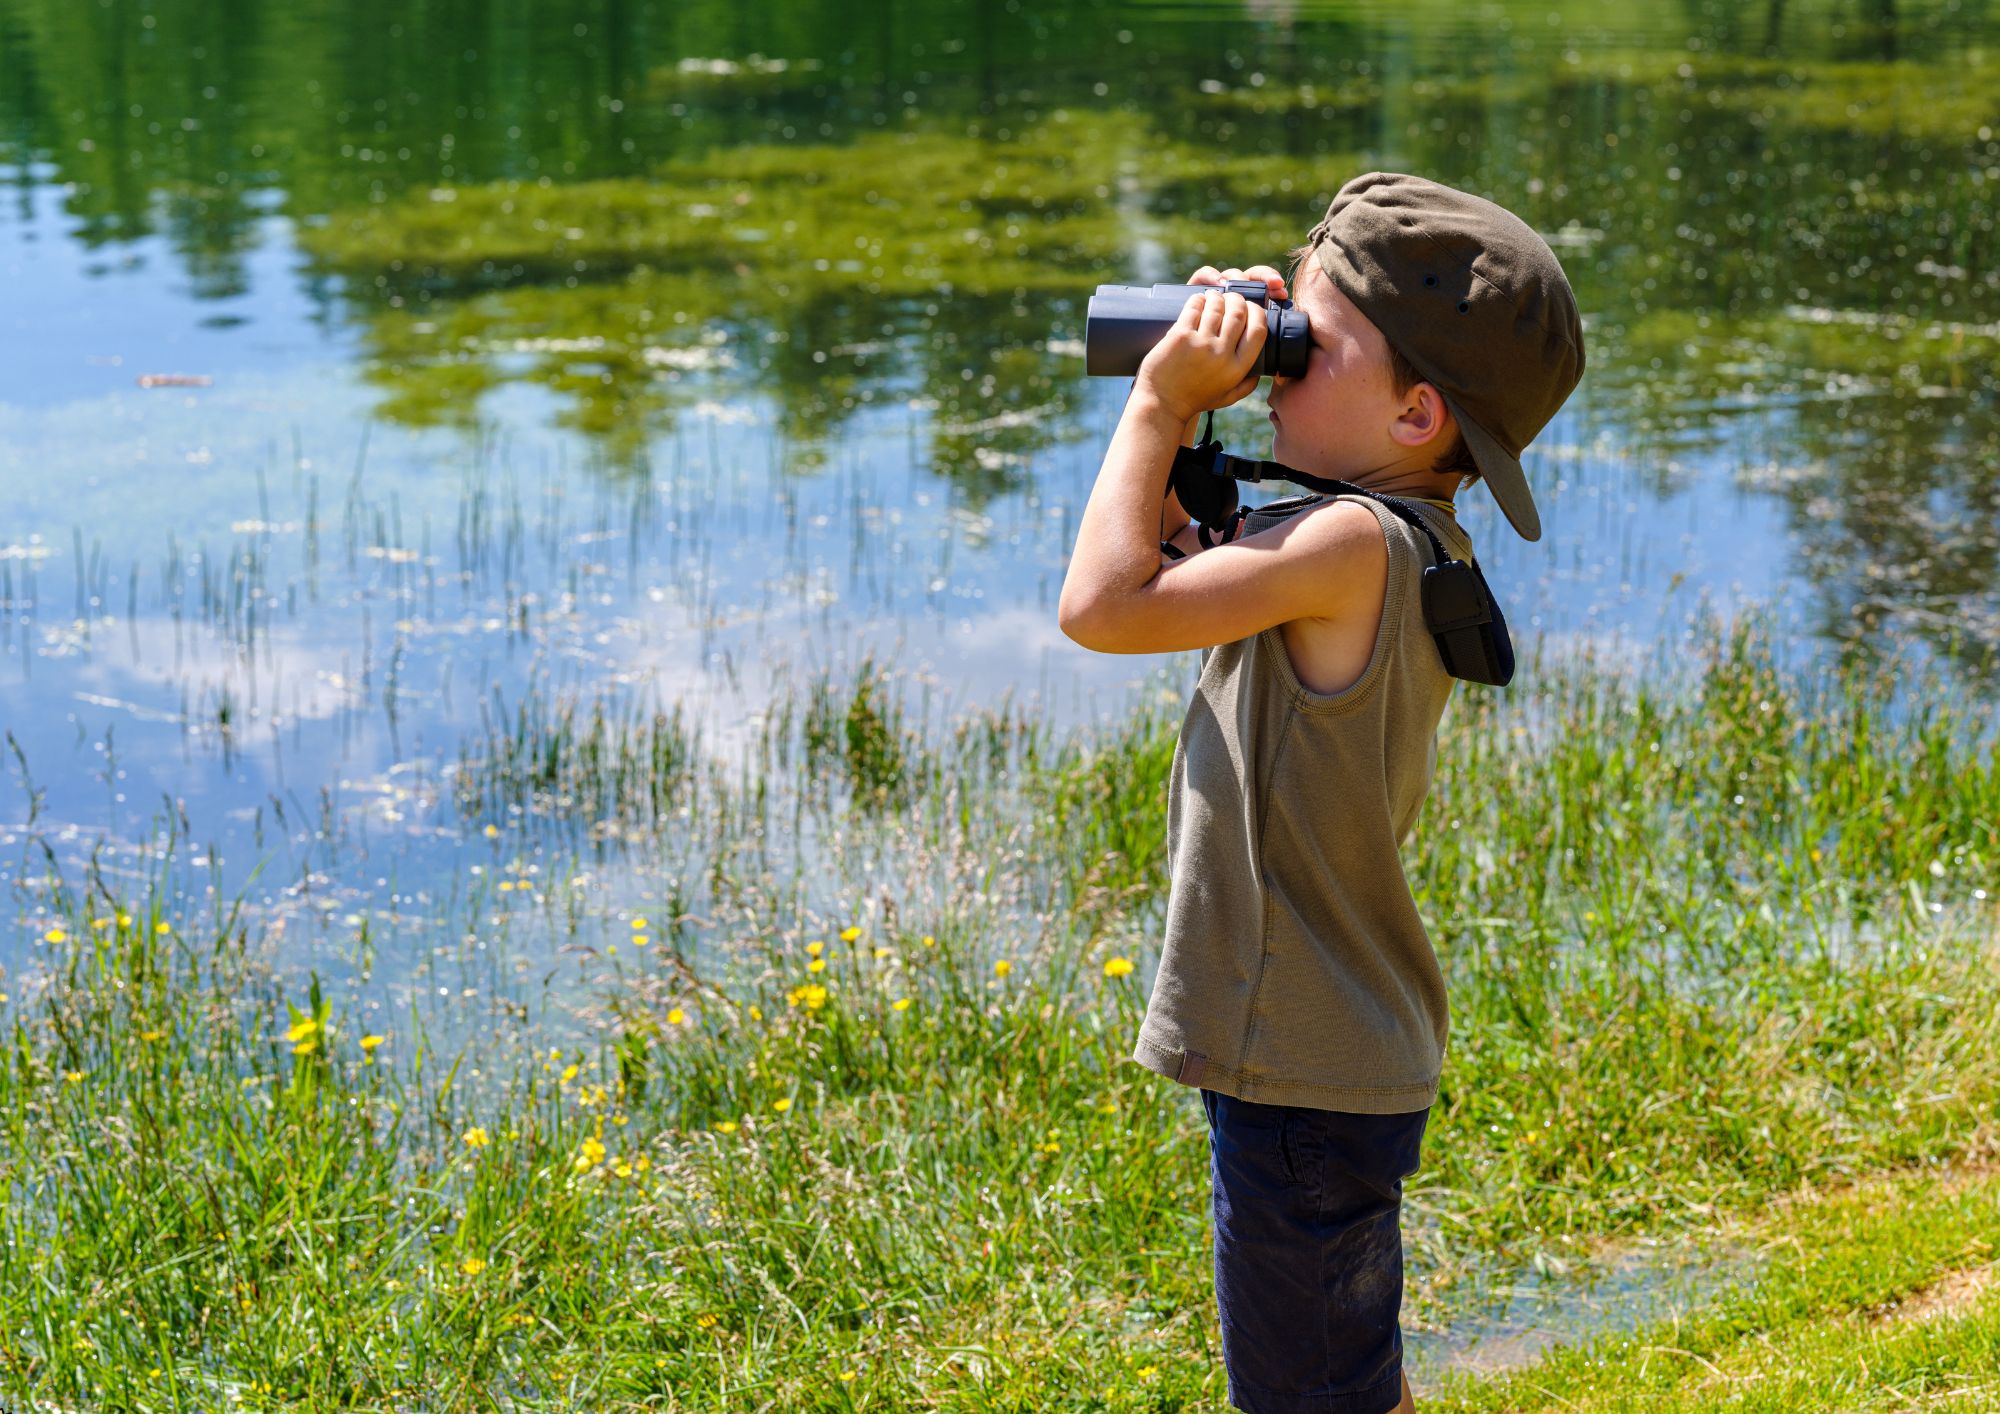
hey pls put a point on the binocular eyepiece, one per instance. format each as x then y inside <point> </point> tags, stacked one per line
<point>1123,322</point>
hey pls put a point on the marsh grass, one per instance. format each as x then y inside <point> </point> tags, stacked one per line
<point>1713,932</point>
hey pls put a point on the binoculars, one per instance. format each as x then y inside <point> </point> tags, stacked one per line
<point>1123,322</point>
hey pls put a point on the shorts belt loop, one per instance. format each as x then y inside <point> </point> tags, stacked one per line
<point>1193,1063</point>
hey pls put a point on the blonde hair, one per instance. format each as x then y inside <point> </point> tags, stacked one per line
<point>1454,460</point>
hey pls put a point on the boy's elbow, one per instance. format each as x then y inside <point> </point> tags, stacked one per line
<point>1075,620</point>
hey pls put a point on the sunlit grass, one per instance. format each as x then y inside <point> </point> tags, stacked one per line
<point>1713,934</point>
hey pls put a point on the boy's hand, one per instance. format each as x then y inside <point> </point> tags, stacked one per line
<point>1209,275</point>
<point>1209,358</point>
<point>1239,389</point>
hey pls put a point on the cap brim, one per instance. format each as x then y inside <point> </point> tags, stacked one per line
<point>1501,470</point>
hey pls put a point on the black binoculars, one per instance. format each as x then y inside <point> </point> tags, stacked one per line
<point>1123,322</point>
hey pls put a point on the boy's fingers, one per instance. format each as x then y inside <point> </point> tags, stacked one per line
<point>1269,277</point>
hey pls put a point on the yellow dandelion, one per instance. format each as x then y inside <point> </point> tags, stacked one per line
<point>815,947</point>
<point>639,925</point>
<point>901,1004</point>
<point>705,1319</point>
<point>476,1137</point>
<point>163,927</point>
<point>846,1375</point>
<point>882,952</point>
<point>815,996</point>
<point>569,1073</point>
<point>299,1030</point>
<point>726,1126</point>
<point>623,1170</point>
<point>756,1013</point>
<point>54,935</point>
<point>848,935</point>
<point>818,964</point>
<point>472,1266</point>
<point>1118,967</point>
<point>492,832</point>
<point>782,1103</point>
<point>370,1042</point>
<point>929,941</point>
<point>73,1076</point>
<point>676,1016</point>
<point>1002,967</point>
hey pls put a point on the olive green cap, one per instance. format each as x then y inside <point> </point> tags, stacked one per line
<point>1474,299</point>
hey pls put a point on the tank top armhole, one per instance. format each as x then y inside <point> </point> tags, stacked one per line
<point>1388,629</point>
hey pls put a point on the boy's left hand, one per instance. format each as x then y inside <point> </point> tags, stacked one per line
<point>1209,358</point>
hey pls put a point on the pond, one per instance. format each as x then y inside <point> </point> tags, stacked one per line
<point>378,380</point>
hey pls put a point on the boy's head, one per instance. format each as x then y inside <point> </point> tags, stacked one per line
<point>1441,319</point>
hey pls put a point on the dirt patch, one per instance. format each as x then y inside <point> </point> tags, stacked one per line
<point>1946,1299</point>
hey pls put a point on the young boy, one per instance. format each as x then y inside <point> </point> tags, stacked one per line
<point>1297,988</point>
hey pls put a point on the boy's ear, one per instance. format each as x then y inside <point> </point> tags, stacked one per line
<point>1423,416</point>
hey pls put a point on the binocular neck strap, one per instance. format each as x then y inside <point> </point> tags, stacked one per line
<point>1208,457</point>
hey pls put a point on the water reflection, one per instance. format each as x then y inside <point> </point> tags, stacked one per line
<point>627,345</point>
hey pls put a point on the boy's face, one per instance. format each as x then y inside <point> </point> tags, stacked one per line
<point>1342,417</point>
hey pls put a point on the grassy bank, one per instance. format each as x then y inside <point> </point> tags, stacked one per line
<point>1710,941</point>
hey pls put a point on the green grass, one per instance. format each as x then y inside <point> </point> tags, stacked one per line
<point>1670,1009</point>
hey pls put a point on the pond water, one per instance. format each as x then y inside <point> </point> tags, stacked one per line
<point>368,371</point>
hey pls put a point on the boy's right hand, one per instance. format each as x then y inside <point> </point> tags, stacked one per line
<point>1209,275</point>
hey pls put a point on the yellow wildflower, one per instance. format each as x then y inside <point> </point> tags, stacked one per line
<point>676,1016</point>
<point>705,1319</point>
<point>901,1004</point>
<point>848,935</point>
<point>143,1035</point>
<point>54,935</point>
<point>639,925</point>
<point>299,1030</point>
<point>1002,967</point>
<point>623,1170</point>
<point>1118,967</point>
<point>929,941</point>
<point>818,964</point>
<point>756,1013</point>
<point>73,1076</point>
<point>569,1073</point>
<point>727,1126</point>
<point>369,1043</point>
<point>506,886</point>
<point>782,1103</point>
<point>472,1266</point>
<point>591,1156</point>
<point>1146,1372</point>
<point>815,947</point>
<point>492,832</point>
<point>881,952</point>
<point>846,1375</point>
<point>476,1137</point>
<point>163,927</point>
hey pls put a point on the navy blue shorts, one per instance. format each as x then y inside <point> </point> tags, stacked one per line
<point>1309,1253</point>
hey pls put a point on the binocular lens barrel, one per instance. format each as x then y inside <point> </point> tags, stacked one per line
<point>1123,322</point>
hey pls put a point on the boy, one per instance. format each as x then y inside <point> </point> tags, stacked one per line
<point>1297,989</point>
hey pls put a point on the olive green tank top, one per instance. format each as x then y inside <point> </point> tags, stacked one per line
<point>1295,969</point>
